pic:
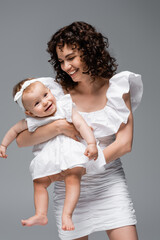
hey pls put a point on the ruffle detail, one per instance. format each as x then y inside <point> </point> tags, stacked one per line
<point>107,121</point>
<point>66,103</point>
<point>120,84</point>
<point>31,124</point>
<point>55,88</point>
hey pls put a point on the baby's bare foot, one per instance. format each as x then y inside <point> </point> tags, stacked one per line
<point>67,224</point>
<point>35,220</point>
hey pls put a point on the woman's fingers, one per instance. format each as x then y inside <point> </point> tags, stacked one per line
<point>75,138</point>
<point>70,131</point>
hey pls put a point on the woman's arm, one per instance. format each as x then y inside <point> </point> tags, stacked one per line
<point>47,132</point>
<point>124,137</point>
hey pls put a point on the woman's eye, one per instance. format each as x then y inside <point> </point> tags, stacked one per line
<point>70,59</point>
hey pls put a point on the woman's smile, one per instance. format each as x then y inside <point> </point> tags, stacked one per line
<point>71,63</point>
<point>72,74</point>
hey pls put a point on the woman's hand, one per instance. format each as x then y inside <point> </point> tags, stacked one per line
<point>68,129</point>
<point>46,132</point>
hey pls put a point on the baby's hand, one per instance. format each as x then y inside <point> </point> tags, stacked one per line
<point>3,151</point>
<point>91,151</point>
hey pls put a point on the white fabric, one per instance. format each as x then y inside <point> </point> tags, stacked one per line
<point>104,201</point>
<point>61,152</point>
<point>107,121</point>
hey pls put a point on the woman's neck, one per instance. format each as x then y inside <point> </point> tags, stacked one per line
<point>90,87</point>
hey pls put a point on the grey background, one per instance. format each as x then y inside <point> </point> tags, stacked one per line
<point>133,31</point>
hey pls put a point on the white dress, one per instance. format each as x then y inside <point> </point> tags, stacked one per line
<point>104,201</point>
<point>61,152</point>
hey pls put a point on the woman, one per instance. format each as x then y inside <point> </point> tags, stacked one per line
<point>86,70</point>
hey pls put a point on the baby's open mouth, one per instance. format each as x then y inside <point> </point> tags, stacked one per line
<point>48,107</point>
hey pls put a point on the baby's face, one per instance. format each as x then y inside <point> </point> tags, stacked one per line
<point>39,101</point>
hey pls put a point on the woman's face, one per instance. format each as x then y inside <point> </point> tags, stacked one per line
<point>71,63</point>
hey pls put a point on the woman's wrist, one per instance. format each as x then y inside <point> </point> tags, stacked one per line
<point>67,129</point>
<point>61,126</point>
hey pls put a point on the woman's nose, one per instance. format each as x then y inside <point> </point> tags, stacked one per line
<point>66,66</point>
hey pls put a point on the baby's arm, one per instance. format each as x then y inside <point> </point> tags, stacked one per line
<point>11,135</point>
<point>86,133</point>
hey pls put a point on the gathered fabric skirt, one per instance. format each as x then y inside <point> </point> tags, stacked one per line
<point>61,153</point>
<point>104,203</point>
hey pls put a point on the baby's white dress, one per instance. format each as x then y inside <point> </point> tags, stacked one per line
<point>104,201</point>
<point>61,152</point>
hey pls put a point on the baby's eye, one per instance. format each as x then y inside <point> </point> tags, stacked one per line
<point>36,104</point>
<point>45,95</point>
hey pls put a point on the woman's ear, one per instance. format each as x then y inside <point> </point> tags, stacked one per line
<point>29,113</point>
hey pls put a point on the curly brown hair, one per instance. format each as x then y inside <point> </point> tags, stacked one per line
<point>93,46</point>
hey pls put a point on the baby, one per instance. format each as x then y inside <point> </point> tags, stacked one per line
<point>59,156</point>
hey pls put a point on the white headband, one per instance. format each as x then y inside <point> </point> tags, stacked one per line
<point>18,96</point>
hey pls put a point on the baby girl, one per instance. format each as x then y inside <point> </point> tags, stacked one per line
<point>59,156</point>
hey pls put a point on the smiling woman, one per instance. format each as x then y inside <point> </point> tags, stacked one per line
<point>71,62</point>
<point>86,70</point>
<point>92,48</point>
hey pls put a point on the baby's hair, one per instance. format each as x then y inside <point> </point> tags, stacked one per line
<point>19,85</point>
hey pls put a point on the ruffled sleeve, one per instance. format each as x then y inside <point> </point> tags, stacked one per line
<point>107,121</point>
<point>120,84</point>
<point>66,104</point>
<point>34,123</point>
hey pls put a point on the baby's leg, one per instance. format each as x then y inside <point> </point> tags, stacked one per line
<point>72,181</point>
<point>41,203</point>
